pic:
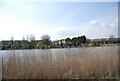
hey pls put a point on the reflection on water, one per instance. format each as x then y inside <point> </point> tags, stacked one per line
<point>61,63</point>
<point>52,54</point>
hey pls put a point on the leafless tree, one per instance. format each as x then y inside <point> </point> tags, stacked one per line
<point>12,38</point>
<point>45,37</point>
<point>32,37</point>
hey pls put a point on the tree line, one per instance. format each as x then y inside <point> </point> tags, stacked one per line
<point>27,43</point>
<point>30,43</point>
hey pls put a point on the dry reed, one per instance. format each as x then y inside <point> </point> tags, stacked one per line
<point>68,63</point>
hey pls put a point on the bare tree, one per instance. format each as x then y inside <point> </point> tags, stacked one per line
<point>23,38</point>
<point>32,37</point>
<point>45,37</point>
<point>12,38</point>
<point>27,37</point>
<point>45,41</point>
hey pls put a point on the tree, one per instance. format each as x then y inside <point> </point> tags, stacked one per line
<point>84,38</point>
<point>11,38</point>
<point>11,43</point>
<point>24,43</point>
<point>45,37</point>
<point>23,38</point>
<point>16,45</point>
<point>74,39</point>
<point>32,41</point>
<point>32,37</point>
<point>39,44</point>
<point>27,37</point>
<point>45,41</point>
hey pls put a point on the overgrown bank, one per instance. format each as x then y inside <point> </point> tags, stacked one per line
<point>46,43</point>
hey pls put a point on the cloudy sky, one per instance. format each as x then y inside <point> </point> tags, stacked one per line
<point>58,19</point>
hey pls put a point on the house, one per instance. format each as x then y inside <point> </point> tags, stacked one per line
<point>58,42</point>
<point>5,42</point>
<point>107,40</point>
<point>63,41</point>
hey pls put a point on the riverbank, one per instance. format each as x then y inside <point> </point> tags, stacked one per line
<point>78,46</point>
<point>88,45</point>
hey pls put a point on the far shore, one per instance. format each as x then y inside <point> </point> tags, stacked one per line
<point>84,46</point>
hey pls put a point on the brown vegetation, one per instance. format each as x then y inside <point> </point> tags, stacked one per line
<point>69,63</point>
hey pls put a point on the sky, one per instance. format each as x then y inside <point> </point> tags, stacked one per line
<point>58,19</point>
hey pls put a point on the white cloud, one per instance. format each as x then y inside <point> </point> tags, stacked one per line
<point>12,25</point>
<point>92,29</point>
<point>93,22</point>
<point>17,29</point>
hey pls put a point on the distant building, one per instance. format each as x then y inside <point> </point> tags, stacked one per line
<point>105,39</point>
<point>5,42</point>
<point>63,41</point>
<point>58,42</point>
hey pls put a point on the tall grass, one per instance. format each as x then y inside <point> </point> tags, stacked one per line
<point>69,63</point>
